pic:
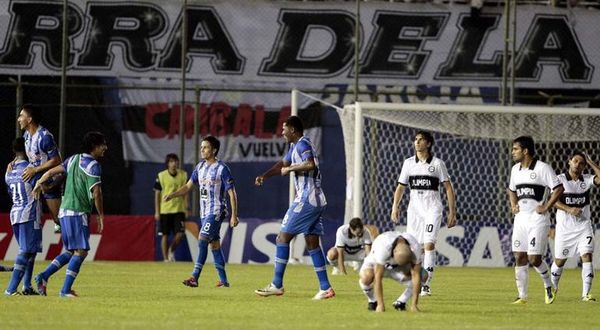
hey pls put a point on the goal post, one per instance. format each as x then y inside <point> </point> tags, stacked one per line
<point>473,140</point>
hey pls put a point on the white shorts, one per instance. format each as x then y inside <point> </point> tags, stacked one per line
<point>530,233</point>
<point>424,226</point>
<point>399,274</point>
<point>573,237</point>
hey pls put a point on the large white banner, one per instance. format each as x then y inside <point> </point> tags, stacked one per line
<point>300,44</point>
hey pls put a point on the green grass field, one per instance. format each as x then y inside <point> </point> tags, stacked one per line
<point>150,295</point>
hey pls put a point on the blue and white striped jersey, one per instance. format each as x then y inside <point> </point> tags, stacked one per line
<point>40,147</point>
<point>308,183</point>
<point>214,181</point>
<point>25,207</point>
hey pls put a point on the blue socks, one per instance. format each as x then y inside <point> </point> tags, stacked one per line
<point>319,264</point>
<point>17,274</point>
<point>56,264</point>
<point>72,271</point>
<point>282,254</point>
<point>220,264</point>
<point>202,254</point>
<point>29,272</point>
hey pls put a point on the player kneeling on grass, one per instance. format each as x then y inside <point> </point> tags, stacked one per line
<point>574,229</point>
<point>82,192</point>
<point>216,183</point>
<point>395,255</point>
<point>352,244</point>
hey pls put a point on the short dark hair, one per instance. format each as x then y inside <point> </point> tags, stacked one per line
<point>18,145</point>
<point>91,140</point>
<point>356,223</point>
<point>214,142</point>
<point>526,142</point>
<point>296,123</point>
<point>428,137</point>
<point>33,112</point>
<point>170,157</point>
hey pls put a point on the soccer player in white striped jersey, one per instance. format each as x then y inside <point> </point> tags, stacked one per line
<point>215,183</point>
<point>574,229</point>
<point>352,244</point>
<point>25,218</point>
<point>529,179</point>
<point>43,155</point>
<point>395,255</point>
<point>304,215</point>
<point>423,173</point>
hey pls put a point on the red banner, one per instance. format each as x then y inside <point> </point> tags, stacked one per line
<point>124,238</point>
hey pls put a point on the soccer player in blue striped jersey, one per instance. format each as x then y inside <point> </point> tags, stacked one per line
<point>25,218</point>
<point>43,154</point>
<point>215,183</point>
<point>83,191</point>
<point>304,215</point>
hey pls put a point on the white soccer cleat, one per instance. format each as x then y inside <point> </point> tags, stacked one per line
<point>324,294</point>
<point>588,297</point>
<point>269,290</point>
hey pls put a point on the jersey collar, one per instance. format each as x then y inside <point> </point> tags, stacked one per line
<point>569,178</point>
<point>531,166</point>
<point>428,160</point>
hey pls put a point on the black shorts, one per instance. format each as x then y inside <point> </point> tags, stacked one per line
<point>171,223</point>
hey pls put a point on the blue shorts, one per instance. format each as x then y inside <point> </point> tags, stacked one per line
<point>303,218</point>
<point>75,232</point>
<point>54,193</point>
<point>29,236</point>
<point>210,227</point>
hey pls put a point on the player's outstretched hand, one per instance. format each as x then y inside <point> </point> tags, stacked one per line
<point>380,308</point>
<point>285,171</point>
<point>515,209</point>
<point>451,220</point>
<point>575,211</point>
<point>28,173</point>
<point>259,180</point>
<point>168,197</point>
<point>415,309</point>
<point>37,190</point>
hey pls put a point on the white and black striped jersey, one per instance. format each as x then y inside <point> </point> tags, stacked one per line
<point>354,244</point>
<point>576,194</point>
<point>424,178</point>
<point>530,183</point>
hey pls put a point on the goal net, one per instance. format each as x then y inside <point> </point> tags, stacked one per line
<point>475,143</point>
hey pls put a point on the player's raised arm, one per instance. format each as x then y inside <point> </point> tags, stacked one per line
<point>451,203</point>
<point>594,167</point>
<point>398,193</point>
<point>307,165</point>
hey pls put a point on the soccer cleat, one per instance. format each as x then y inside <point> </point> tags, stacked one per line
<point>549,295</point>
<point>15,293</point>
<point>324,294</point>
<point>29,292</point>
<point>41,283</point>
<point>372,305</point>
<point>191,282</point>
<point>519,301</point>
<point>425,291</point>
<point>399,306</point>
<point>57,229</point>
<point>222,285</point>
<point>70,294</point>
<point>6,268</point>
<point>269,290</point>
<point>588,297</point>
<point>171,256</point>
